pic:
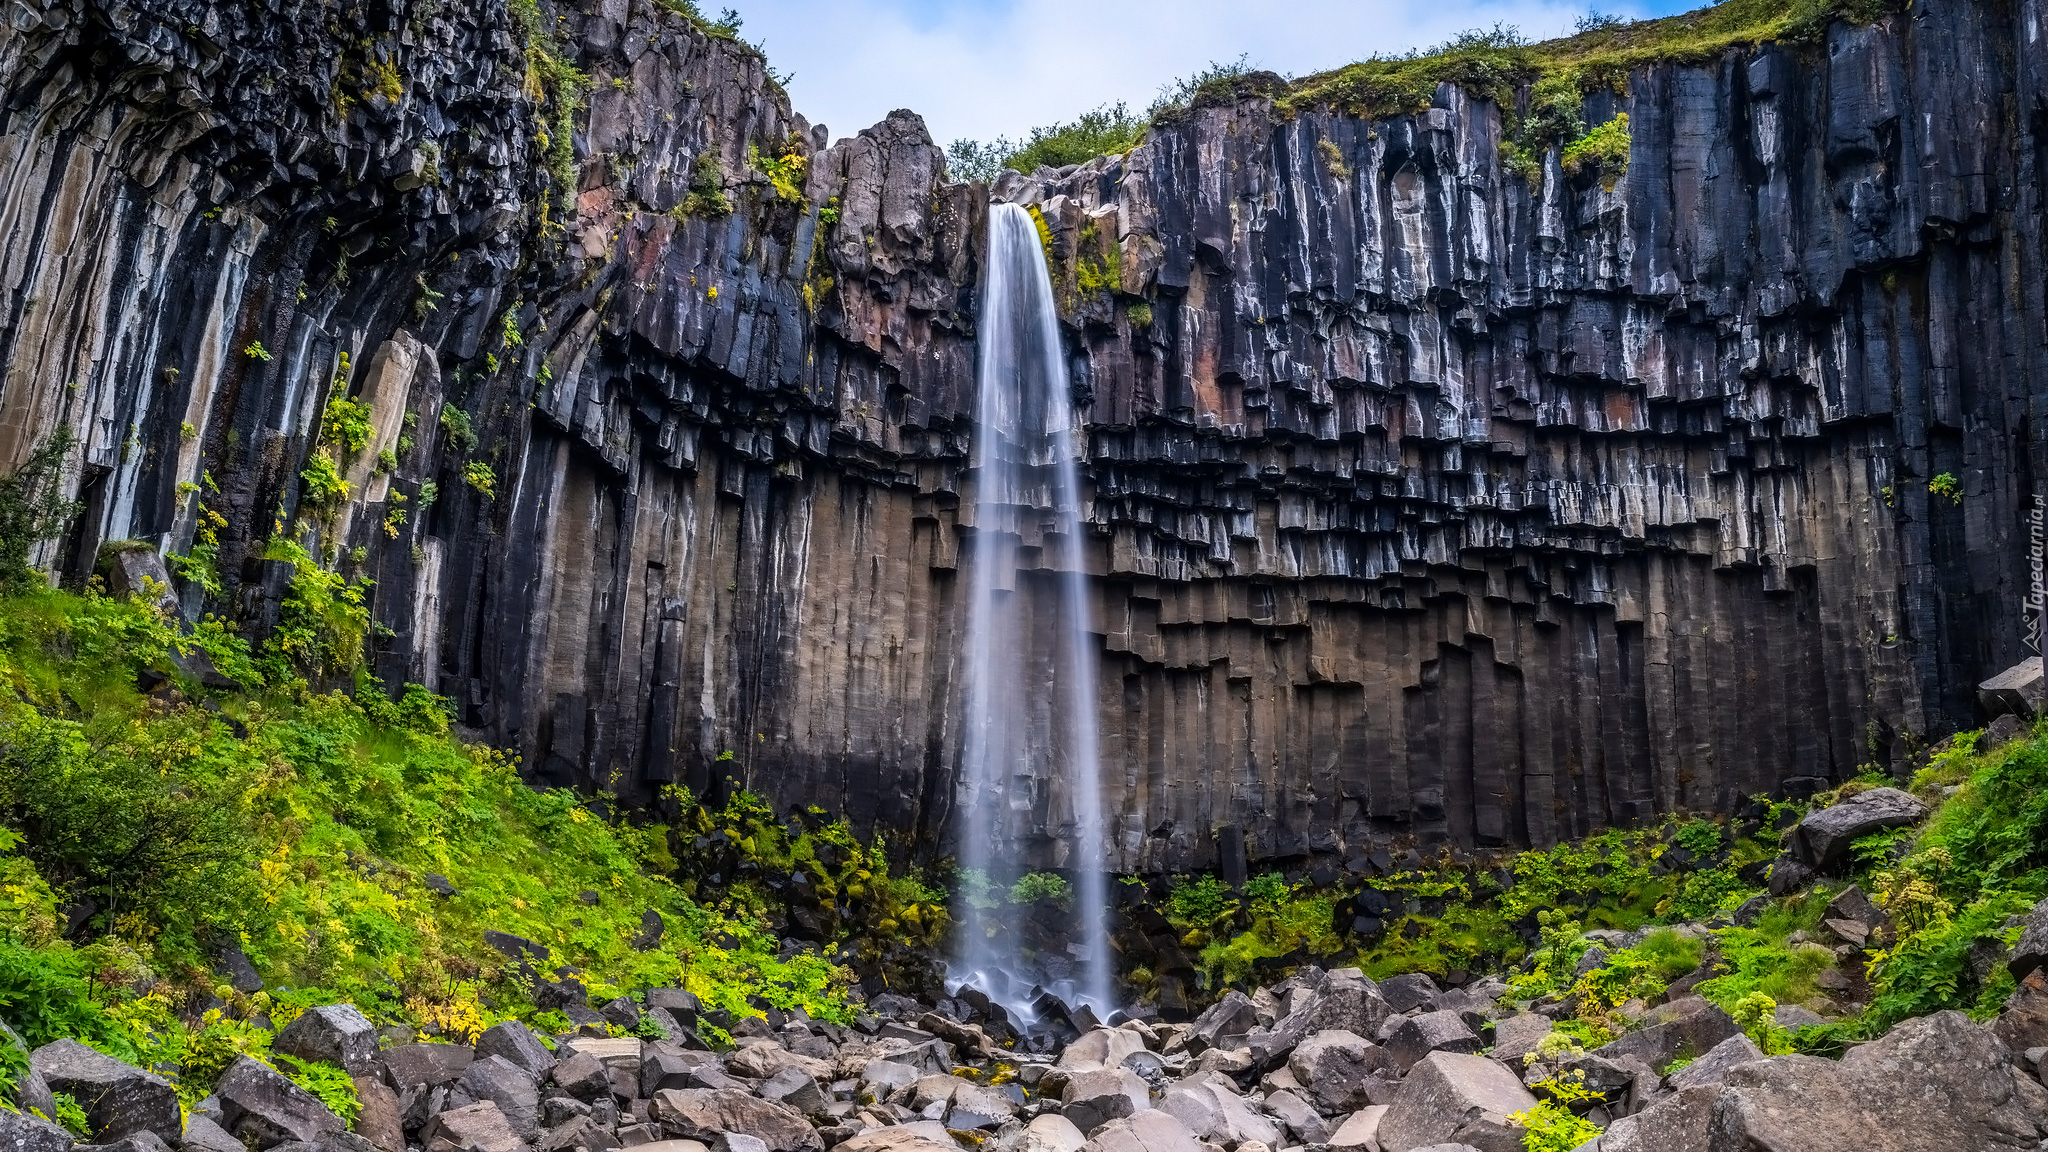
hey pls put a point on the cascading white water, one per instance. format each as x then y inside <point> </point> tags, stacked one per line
<point>1022,731</point>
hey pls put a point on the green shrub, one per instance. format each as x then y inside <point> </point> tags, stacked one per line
<point>455,422</point>
<point>71,1116</point>
<point>1041,887</point>
<point>33,509</point>
<point>1198,901</point>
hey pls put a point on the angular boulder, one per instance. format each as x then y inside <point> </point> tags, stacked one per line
<point>1339,1070</point>
<point>1100,1048</point>
<point>1823,838</point>
<point>1360,1131</point>
<point>1519,1035</point>
<point>426,1064</point>
<point>1092,1099</point>
<point>1677,1123</point>
<point>335,1034</point>
<point>517,1043</point>
<point>1415,1037</point>
<point>261,1108</point>
<point>512,1088</point>
<point>1210,1107</point>
<point>1224,1024</point>
<point>1456,1097</point>
<point>20,1132</point>
<point>118,1099</point>
<point>1712,1068</point>
<point>378,1118</point>
<point>477,1127</point>
<point>1688,1026</point>
<point>1409,991</point>
<point>1148,1131</point>
<point>705,1113</point>
<point>2018,690</point>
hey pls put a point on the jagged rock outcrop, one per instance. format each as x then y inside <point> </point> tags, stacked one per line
<point>1425,502</point>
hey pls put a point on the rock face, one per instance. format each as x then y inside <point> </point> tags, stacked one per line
<point>1423,499</point>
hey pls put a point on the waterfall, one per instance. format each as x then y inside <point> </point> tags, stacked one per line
<point>1030,735</point>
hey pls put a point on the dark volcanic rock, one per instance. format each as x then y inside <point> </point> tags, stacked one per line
<point>1424,498</point>
<point>335,1033</point>
<point>1822,839</point>
<point>118,1099</point>
<point>262,1108</point>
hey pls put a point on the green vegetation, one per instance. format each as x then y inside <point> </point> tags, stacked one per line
<point>1042,888</point>
<point>32,509</point>
<point>478,475</point>
<point>1551,1125</point>
<point>558,90</point>
<point>346,425</point>
<point>344,840</point>
<point>1540,86</point>
<point>455,422</point>
<point>706,196</point>
<point>256,351</point>
<point>1946,486</point>
<point>785,170</point>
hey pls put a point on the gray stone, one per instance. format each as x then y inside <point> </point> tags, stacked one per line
<point>703,1113</point>
<point>478,1127</point>
<point>1300,1120</point>
<point>1409,991</point>
<point>262,1108</point>
<point>1682,1122</point>
<point>1223,1024</point>
<point>20,1132</point>
<point>203,1134</point>
<point>1210,1107</point>
<point>1823,838</point>
<point>1360,1131</point>
<point>512,1088</point>
<point>410,1065</point>
<point>1415,1037</point>
<point>336,1034</point>
<point>1712,1068</point>
<point>792,1087</point>
<point>1456,1097</point>
<point>1092,1099</point>
<point>1339,1070</point>
<point>2018,690</point>
<point>1148,1131</point>
<point>1684,1027</point>
<point>1517,1036</point>
<point>583,1077</point>
<point>378,1117</point>
<point>118,1099</point>
<point>518,1044</point>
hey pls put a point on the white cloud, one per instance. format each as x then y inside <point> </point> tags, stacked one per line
<point>986,68</point>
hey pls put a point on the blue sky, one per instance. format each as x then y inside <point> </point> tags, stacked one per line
<point>986,68</point>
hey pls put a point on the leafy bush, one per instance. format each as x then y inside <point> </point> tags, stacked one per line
<point>1197,902</point>
<point>478,475</point>
<point>1041,888</point>
<point>33,509</point>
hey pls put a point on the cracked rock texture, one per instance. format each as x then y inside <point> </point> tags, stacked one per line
<point>1423,504</point>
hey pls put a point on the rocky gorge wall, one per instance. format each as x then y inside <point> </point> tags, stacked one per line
<point>1427,503</point>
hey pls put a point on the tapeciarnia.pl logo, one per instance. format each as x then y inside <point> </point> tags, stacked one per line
<point>2037,596</point>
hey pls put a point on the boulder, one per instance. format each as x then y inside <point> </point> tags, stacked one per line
<point>791,1087</point>
<point>1360,1131</point>
<point>1409,991</point>
<point>1713,1067</point>
<point>1340,1071</point>
<point>1224,1024</point>
<point>974,1107</point>
<point>1822,839</point>
<point>204,1134</point>
<point>1517,1036</point>
<point>20,1132</point>
<point>1415,1037</point>
<point>583,1077</point>
<point>1688,1026</point>
<point>151,1142</point>
<point>1147,1131</point>
<point>881,1078</point>
<point>478,1127</point>
<point>704,1113</point>
<point>261,1108</point>
<point>1209,1106</point>
<point>335,1034</point>
<point>760,1061</point>
<point>2017,690</point>
<point>118,1099</point>
<point>1456,1097</point>
<point>2023,1021</point>
<point>1051,1132</point>
<point>666,1066</point>
<point>1298,1117</point>
<point>2032,950</point>
<point>378,1118</point>
<point>1092,1099</point>
<point>517,1043</point>
<point>1677,1123</point>
<point>512,1088</point>
<point>924,1136</point>
<point>413,1065</point>
<point>1100,1048</point>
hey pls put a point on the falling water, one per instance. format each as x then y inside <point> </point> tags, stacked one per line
<point>1028,488</point>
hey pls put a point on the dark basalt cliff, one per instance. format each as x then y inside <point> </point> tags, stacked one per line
<point>1426,503</point>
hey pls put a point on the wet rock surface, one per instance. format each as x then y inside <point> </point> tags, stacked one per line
<point>1460,507</point>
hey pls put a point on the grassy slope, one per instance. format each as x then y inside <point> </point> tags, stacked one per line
<point>306,825</point>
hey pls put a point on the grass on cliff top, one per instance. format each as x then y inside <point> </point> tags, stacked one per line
<point>322,832</point>
<point>1494,63</point>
